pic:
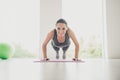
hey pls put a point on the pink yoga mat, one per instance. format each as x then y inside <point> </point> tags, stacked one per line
<point>80,61</point>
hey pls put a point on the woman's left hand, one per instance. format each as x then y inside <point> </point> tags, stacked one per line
<point>75,59</point>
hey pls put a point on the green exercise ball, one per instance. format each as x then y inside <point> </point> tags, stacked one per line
<point>6,50</point>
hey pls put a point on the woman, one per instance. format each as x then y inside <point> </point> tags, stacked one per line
<point>60,38</point>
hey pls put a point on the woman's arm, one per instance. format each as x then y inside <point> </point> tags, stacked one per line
<point>74,39</point>
<point>44,45</point>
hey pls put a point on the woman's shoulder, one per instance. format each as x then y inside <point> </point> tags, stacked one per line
<point>51,32</point>
<point>70,31</point>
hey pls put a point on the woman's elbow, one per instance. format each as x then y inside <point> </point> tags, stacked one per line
<point>44,45</point>
<point>77,45</point>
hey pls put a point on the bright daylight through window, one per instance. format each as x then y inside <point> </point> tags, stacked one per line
<point>85,17</point>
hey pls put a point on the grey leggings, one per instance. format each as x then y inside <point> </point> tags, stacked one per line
<point>57,48</point>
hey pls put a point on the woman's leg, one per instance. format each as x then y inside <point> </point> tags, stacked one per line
<point>57,51</point>
<point>64,51</point>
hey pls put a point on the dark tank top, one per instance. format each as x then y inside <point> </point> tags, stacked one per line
<point>57,44</point>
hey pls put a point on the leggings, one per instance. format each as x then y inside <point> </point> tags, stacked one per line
<point>57,48</point>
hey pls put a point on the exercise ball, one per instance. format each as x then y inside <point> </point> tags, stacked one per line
<point>6,50</point>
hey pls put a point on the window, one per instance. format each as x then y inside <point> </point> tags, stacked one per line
<point>85,17</point>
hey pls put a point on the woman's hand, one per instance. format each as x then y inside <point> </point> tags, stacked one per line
<point>75,59</point>
<point>46,59</point>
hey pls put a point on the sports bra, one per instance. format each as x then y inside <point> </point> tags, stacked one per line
<point>57,44</point>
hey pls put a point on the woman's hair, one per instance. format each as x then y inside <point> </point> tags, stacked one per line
<point>61,21</point>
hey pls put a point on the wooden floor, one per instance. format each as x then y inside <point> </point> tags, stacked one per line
<point>27,69</point>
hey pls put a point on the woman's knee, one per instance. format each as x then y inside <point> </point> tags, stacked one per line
<point>65,48</point>
<point>56,49</point>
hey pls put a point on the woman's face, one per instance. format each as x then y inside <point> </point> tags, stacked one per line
<point>61,29</point>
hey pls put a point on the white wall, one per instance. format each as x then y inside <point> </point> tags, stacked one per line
<point>20,23</point>
<point>50,12</point>
<point>113,28</point>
